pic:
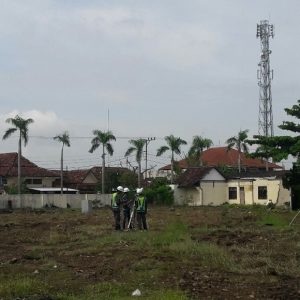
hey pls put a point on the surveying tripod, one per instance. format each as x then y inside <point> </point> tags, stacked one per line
<point>132,216</point>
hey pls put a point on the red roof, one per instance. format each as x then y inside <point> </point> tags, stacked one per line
<point>97,171</point>
<point>9,167</point>
<point>75,176</point>
<point>219,156</point>
<point>78,176</point>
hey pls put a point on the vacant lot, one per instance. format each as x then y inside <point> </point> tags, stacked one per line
<point>188,253</point>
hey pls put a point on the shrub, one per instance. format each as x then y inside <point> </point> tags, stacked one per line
<point>161,194</point>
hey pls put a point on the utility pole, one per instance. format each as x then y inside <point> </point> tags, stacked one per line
<point>265,76</point>
<point>148,140</point>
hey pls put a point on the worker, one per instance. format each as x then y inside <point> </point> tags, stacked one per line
<point>126,202</point>
<point>141,209</point>
<point>115,205</point>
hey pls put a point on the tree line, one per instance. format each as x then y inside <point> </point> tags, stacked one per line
<point>277,147</point>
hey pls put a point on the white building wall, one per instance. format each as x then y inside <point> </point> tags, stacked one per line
<point>284,195</point>
<point>248,187</point>
<point>275,191</point>
<point>36,201</point>
<point>46,181</point>
<point>217,193</point>
<point>214,193</point>
<point>187,196</point>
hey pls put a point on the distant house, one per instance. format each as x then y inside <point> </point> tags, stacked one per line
<point>221,157</point>
<point>200,186</point>
<point>257,188</point>
<point>32,175</point>
<point>208,186</point>
<point>89,180</point>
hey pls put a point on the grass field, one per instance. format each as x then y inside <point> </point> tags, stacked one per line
<point>188,253</point>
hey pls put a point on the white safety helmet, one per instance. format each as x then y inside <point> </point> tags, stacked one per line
<point>126,190</point>
<point>139,191</point>
<point>120,188</point>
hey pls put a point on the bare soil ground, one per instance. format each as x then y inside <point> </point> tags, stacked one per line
<point>198,253</point>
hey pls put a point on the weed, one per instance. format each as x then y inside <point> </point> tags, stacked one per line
<point>208,254</point>
<point>21,286</point>
<point>108,291</point>
<point>273,220</point>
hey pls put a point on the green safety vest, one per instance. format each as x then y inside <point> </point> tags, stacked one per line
<point>141,204</point>
<point>114,204</point>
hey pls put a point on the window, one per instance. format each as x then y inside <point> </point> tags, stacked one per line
<point>36,181</point>
<point>33,180</point>
<point>262,193</point>
<point>3,180</point>
<point>232,195</point>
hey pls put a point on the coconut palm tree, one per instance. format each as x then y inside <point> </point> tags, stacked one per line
<point>102,138</point>
<point>174,144</point>
<point>21,125</point>
<point>198,145</point>
<point>137,147</point>
<point>65,140</point>
<point>240,143</point>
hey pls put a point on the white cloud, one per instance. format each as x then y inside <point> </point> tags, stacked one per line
<point>45,123</point>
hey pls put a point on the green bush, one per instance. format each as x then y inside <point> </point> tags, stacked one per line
<point>160,194</point>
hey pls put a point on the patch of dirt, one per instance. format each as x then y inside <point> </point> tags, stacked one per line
<point>200,284</point>
<point>25,246</point>
<point>228,237</point>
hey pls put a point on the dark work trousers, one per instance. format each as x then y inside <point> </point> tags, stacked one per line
<point>126,217</point>
<point>117,219</point>
<point>141,219</point>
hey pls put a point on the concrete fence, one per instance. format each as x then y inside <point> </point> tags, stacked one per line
<point>52,200</point>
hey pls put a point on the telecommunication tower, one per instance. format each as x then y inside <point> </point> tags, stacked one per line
<point>265,76</point>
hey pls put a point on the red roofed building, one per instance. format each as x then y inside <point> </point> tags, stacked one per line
<point>88,180</point>
<point>220,156</point>
<point>31,174</point>
<point>84,180</point>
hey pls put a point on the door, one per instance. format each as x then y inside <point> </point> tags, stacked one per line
<point>242,195</point>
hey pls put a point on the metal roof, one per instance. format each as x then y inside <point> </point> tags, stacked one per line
<point>53,189</point>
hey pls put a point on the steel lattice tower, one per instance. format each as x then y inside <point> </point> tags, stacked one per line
<point>265,76</point>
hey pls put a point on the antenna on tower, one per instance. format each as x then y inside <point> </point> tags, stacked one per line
<point>108,119</point>
<point>265,76</point>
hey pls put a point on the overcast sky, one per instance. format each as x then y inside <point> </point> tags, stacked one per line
<point>159,66</point>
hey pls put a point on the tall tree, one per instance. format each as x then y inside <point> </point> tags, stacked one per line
<point>280,147</point>
<point>104,139</point>
<point>21,125</point>
<point>240,143</point>
<point>137,146</point>
<point>196,150</point>
<point>64,138</point>
<point>174,144</point>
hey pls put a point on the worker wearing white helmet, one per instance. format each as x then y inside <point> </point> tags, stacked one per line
<point>120,188</point>
<point>115,205</point>
<point>126,207</point>
<point>141,209</point>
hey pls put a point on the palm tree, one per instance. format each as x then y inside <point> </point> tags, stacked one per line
<point>240,143</point>
<point>102,138</point>
<point>65,140</point>
<point>21,125</point>
<point>198,145</point>
<point>138,146</point>
<point>174,144</point>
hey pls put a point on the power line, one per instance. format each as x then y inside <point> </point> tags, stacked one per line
<point>91,137</point>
